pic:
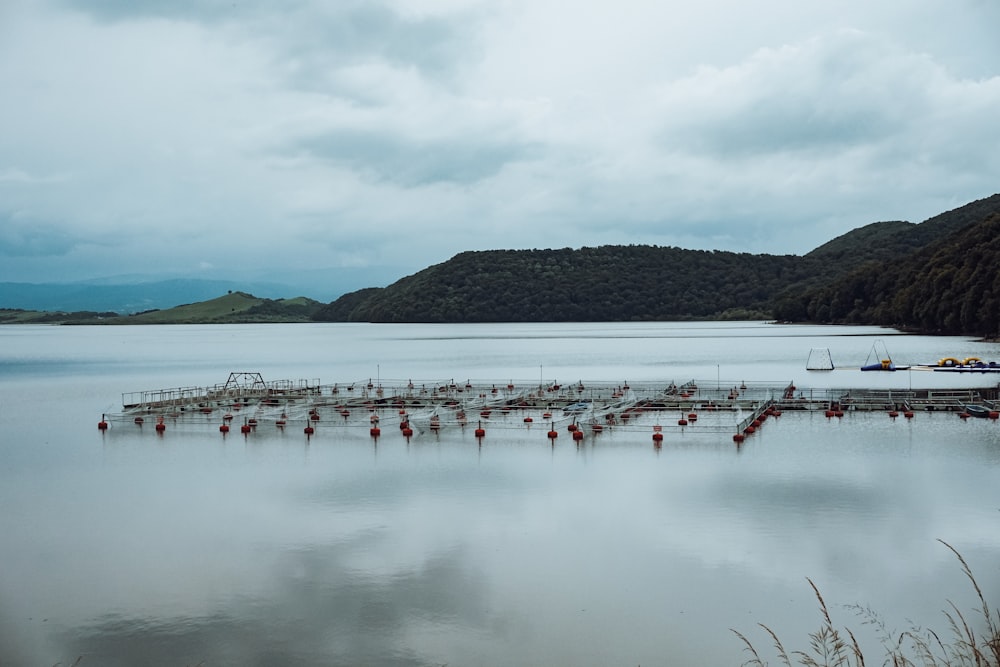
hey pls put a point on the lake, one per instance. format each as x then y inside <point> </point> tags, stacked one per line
<point>128,547</point>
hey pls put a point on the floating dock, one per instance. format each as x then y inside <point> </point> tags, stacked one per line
<point>247,402</point>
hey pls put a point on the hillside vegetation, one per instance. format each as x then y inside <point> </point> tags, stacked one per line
<point>611,283</point>
<point>232,308</point>
<point>235,307</point>
<point>951,286</point>
<point>851,279</point>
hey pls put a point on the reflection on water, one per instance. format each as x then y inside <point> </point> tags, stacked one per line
<point>130,548</point>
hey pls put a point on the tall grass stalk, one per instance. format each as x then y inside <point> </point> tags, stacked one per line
<point>915,647</point>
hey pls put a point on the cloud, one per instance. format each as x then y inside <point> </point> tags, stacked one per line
<point>403,132</point>
<point>23,237</point>
<point>312,36</point>
<point>815,97</point>
<point>412,163</point>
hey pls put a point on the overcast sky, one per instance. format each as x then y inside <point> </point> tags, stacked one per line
<point>199,137</point>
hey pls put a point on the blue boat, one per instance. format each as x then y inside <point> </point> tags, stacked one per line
<point>883,362</point>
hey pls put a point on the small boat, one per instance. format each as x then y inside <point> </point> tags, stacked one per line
<point>882,365</point>
<point>883,362</point>
<point>980,411</point>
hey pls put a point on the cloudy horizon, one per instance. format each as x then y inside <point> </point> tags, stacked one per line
<point>200,138</point>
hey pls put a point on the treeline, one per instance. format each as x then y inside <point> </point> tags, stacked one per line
<point>935,276</point>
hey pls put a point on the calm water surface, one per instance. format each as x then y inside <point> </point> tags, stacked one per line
<point>127,548</point>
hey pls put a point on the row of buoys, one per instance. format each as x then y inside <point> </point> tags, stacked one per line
<point>138,421</point>
<point>752,427</point>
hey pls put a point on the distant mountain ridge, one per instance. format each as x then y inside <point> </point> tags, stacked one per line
<point>123,298</point>
<point>133,294</point>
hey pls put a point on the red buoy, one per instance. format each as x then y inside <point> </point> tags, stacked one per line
<point>224,428</point>
<point>577,435</point>
<point>528,420</point>
<point>407,431</point>
<point>480,432</point>
<point>138,420</point>
<point>553,434</point>
<point>375,431</point>
<point>245,429</point>
<point>738,438</point>
<point>308,430</point>
<point>160,427</point>
<point>102,425</point>
<point>657,437</point>
<point>682,422</point>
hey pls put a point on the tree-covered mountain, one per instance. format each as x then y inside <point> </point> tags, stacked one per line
<point>622,283</point>
<point>610,283</point>
<point>950,286</point>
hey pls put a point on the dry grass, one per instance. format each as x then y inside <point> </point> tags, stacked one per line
<point>915,647</point>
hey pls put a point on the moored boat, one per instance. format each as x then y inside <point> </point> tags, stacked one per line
<point>974,410</point>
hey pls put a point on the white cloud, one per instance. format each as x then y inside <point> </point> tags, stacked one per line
<point>173,134</point>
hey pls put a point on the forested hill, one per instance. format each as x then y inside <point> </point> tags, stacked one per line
<point>950,286</point>
<point>637,282</point>
<point>610,283</point>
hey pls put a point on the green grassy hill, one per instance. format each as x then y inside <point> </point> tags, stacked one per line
<point>223,308</point>
<point>235,307</point>
<point>232,308</point>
